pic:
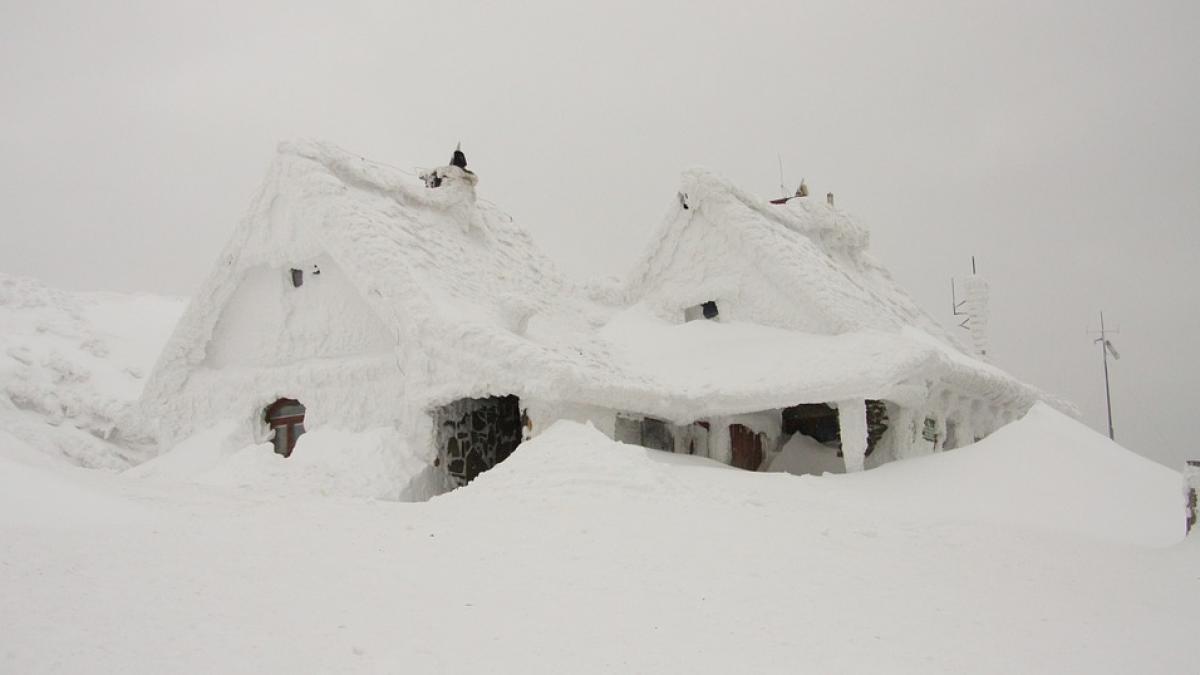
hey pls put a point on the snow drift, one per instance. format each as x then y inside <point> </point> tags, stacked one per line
<point>73,364</point>
<point>578,554</point>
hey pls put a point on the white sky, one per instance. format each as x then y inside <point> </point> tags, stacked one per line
<point>1057,142</point>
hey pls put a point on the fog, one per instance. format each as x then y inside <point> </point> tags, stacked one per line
<point>1056,142</point>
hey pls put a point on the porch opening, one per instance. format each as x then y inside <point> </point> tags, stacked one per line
<point>819,421</point>
<point>475,434</point>
<point>285,417</point>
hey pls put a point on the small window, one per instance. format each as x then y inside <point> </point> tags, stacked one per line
<point>297,277</point>
<point>705,310</point>
<point>647,432</point>
<point>286,419</point>
<point>929,430</point>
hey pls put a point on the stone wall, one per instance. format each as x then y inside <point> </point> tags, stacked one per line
<point>475,434</point>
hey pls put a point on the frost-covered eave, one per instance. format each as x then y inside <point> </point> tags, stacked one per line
<point>987,382</point>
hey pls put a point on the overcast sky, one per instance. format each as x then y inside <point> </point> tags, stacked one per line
<point>1058,142</point>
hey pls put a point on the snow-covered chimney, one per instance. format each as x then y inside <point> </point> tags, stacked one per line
<point>973,292</point>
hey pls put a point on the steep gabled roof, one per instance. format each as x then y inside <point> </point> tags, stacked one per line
<point>430,261</point>
<point>813,252</point>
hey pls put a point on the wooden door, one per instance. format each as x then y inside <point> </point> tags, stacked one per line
<point>747,447</point>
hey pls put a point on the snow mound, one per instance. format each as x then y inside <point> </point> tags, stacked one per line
<point>1046,472</point>
<point>375,464</point>
<point>72,365</point>
<point>804,455</point>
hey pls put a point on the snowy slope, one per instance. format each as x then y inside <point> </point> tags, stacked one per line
<point>71,365</point>
<point>1039,550</point>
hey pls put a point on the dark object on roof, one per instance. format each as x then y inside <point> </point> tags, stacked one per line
<point>458,158</point>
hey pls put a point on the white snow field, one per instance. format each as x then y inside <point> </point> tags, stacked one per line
<point>1044,548</point>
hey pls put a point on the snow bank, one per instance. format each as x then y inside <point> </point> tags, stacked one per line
<point>1045,471</point>
<point>578,554</point>
<point>72,365</point>
<point>375,463</point>
<point>42,494</point>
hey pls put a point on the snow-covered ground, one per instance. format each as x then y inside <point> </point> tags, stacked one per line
<point>1043,548</point>
<point>71,364</point>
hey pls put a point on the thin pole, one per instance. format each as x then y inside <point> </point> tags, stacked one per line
<point>1107,391</point>
<point>782,189</point>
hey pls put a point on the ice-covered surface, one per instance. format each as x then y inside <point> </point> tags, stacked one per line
<point>72,365</point>
<point>1043,549</point>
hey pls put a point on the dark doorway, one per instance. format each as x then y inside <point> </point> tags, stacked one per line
<point>747,447</point>
<point>815,420</point>
<point>475,434</point>
<point>286,418</point>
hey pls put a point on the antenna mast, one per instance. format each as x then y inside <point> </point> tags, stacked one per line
<point>1107,348</point>
<point>782,189</point>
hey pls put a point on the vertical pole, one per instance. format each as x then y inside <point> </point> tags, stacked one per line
<point>1107,391</point>
<point>782,190</point>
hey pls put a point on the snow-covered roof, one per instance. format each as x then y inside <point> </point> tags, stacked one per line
<point>812,251</point>
<point>455,275</point>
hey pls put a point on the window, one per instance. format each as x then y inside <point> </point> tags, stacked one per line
<point>297,277</point>
<point>286,419</point>
<point>647,432</point>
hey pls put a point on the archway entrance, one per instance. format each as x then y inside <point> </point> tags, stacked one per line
<point>286,419</point>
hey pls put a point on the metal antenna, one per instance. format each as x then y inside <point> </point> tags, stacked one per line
<point>782,189</point>
<point>1106,348</point>
<point>956,303</point>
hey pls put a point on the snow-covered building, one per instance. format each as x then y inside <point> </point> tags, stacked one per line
<point>358,297</point>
